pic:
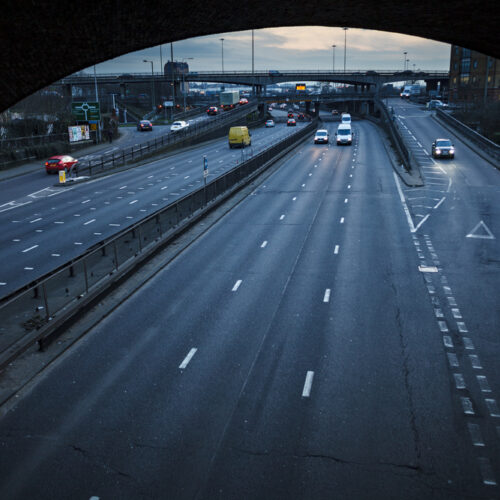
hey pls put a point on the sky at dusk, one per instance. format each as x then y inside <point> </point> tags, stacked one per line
<point>305,48</point>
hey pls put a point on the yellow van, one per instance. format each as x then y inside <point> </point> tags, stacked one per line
<point>239,137</point>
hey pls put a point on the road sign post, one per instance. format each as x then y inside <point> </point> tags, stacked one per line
<point>205,175</point>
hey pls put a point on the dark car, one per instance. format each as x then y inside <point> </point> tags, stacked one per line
<point>443,148</point>
<point>291,122</point>
<point>290,114</point>
<point>300,116</point>
<point>60,162</point>
<point>144,125</point>
<point>212,110</point>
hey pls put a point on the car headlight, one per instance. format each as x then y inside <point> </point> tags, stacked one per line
<point>452,151</point>
<point>438,151</point>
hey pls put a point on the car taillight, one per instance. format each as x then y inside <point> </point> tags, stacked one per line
<point>46,163</point>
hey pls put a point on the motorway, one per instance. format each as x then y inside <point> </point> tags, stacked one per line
<point>330,337</point>
<point>42,232</point>
<point>31,183</point>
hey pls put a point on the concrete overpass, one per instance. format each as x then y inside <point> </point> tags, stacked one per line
<point>264,78</point>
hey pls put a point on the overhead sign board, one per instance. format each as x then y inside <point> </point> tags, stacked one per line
<point>300,88</point>
<point>85,111</point>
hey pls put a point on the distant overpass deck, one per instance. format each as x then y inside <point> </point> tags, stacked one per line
<point>268,77</point>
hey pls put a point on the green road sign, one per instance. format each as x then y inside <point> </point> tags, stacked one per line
<point>85,111</point>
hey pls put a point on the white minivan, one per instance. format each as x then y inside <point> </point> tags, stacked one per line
<point>346,118</point>
<point>344,134</point>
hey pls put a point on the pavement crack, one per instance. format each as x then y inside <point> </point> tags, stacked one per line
<point>406,374</point>
<point>100,461</point>
<point>325,456</point>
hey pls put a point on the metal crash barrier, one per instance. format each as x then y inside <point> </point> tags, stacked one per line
<point>31,313</point>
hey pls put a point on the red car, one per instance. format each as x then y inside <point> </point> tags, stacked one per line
<point>61,162</point>
<point>291,122</point>
<point>212,110</point>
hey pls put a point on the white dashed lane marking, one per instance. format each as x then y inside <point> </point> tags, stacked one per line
<point>306,391</point>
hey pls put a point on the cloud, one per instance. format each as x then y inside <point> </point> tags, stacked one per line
<point>302,47</point>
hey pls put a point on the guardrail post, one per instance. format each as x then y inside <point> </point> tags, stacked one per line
<point>46,302</point>
<point>116,254</point>
<point>140,237</point>
<point>86,277</point>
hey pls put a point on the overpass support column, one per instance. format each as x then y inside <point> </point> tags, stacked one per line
<point>262,109</point>
<point>123,90</point>
<point>316,108</point>
<point>308,107</point>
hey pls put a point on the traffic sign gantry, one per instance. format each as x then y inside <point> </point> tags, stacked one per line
<point>85,111</point>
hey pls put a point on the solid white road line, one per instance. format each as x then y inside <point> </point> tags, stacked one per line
<point>403,201</point>
<point>306,392</point>
<point>236,285</point>
<point>29,249</point>
<point>188,358</point>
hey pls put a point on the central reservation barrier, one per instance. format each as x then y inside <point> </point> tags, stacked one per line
<point>33,313</point>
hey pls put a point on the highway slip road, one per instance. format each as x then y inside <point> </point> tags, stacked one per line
<point>300,348</point>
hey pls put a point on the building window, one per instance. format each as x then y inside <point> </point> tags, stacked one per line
<point>455,66</point>
<point>465,53</point>
<point>456,51</point>
<point>464,79</point>
<point>465,66</point>
<point>454,80</point>
<point>475,63</point>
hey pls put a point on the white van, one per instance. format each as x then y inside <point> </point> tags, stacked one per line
<point>346,118</point>
<point>344,134</point>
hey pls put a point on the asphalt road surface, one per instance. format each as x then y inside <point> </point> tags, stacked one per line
<point>31,183</point>
<point>320,341</point>
<point>41,231</point>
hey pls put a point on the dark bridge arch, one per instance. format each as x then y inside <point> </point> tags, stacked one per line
<point>45,41</point>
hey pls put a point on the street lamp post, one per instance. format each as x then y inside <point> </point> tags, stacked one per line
<point>222,48</point>
<point>345,44</point>
<point>97,100</point>
<point>152,83</point>
<point>184,59</point>
<point>333,62</point>
<point>404,61</point>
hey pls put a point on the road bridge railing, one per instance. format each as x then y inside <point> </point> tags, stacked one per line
<point>37,311</point>
<point>390,125</point>
<point>119,158</point>
<point>488,147</point>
